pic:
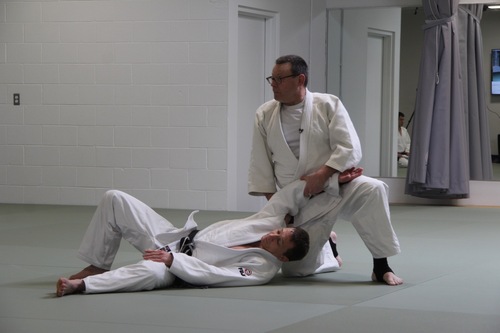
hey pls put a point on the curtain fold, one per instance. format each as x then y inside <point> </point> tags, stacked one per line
<point>439,162</point>
<point>471,58</point>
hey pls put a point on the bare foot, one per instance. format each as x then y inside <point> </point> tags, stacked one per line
<point>333,237</point>
<point>88,271</point>
<point>389,278</point>
<point>67,287</point>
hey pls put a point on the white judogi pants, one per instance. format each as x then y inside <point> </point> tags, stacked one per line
<point>364,203</point>
<point>145,275</point>
<point>122,216</point>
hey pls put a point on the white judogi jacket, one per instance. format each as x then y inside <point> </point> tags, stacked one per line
<point>215,263</point>
<point>213,260</point>
<point>328,138</point>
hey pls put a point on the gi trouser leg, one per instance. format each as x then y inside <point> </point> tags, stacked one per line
<point>365,204</point>
<point>118,216</point>
<point>145,275</point>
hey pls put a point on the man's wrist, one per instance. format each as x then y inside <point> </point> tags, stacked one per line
<point>169,260</point>
<point>326,172</point>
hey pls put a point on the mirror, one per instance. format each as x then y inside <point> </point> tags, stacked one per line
<point>407,68</point>
<point>411,41</point>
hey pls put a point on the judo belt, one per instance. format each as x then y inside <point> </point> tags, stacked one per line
<point>186,244</point>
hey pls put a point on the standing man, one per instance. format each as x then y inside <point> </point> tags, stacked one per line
<point>309,136</point>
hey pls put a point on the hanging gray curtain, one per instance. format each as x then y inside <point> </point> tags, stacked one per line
<point>471,58</point>
<point>438,165</point>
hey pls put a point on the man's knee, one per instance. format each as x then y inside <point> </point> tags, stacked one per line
<point>113,197</point>
<point>111,194</point>
<point>403,162</point>
<point>371,186</point>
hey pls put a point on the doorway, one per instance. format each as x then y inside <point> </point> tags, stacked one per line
<point>256,52</point>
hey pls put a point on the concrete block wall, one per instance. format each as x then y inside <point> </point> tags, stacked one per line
<point>129,95</point>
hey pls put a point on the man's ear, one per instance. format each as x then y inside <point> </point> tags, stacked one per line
<point>284,259</point>
<point>302,79</point>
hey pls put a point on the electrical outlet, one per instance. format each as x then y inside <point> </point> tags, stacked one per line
<point>17,99</point>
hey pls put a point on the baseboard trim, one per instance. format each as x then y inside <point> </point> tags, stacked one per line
<point>482,193</point>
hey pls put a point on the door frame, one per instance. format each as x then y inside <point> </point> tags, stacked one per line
<point>271,53</point>
<point>388,139</point>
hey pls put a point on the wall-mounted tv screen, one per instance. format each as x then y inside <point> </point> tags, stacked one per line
<point>495,72</point>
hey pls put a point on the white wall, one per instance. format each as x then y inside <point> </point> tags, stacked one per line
<point>131,95</point>
<point>114,94</point>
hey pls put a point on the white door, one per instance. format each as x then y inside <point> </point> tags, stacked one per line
<point>251,94</point>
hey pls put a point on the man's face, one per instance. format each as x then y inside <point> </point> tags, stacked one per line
<point>288,91</point>
<point>401,121</point>
<point>277,242</point>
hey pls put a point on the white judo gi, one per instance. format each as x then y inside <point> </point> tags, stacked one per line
<point>327,137</point>
<point>213,262</point>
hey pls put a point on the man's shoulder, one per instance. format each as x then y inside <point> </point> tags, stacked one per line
<point>323,102</point>
<point>266,109</point>
<point>269,105</point>
<point>324,97</point>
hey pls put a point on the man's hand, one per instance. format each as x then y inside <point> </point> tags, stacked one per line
<point>403,154</point>
<point>350,174</point>
<point>315,182</point>
<point>159,256</point>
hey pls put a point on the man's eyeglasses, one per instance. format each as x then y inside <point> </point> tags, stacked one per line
<point>278,79</point>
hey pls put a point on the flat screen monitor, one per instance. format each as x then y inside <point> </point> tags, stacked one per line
<point>495,72</point>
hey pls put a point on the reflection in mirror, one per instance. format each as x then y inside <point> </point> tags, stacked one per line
<point>349,78</point>
<point>411,41</point>
<point>412,20</point>
<point>363,70</point>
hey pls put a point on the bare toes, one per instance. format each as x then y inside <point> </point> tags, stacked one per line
<point>61,286</point>
<point>390,279</point>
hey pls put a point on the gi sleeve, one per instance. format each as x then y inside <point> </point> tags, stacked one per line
<point>261,170</point>
<point>250,270</point>
<point>289,200</point>
<point>344,141</point>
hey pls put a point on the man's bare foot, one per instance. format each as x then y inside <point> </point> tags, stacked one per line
<point>333,237</point>
<point>389,278</point>
<point>88,271</point>
<point>67,287</point>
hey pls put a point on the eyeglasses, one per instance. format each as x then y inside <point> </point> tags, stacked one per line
<point>278,79</point>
